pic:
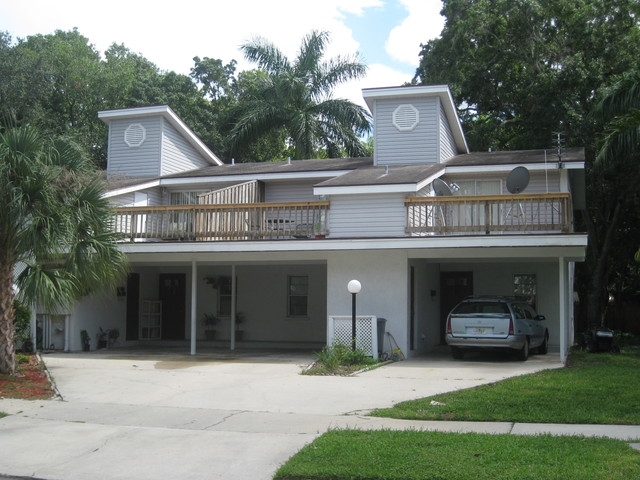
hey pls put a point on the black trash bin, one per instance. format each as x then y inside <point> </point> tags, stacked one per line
<point>599,339</point>
<point>382,326</point>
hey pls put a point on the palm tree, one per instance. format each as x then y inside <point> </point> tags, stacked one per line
<point>54,222</point>
<point>621,109</point>
<point>297,97</point>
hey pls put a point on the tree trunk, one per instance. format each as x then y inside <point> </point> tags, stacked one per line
<point>7,352</point>
<point>599,275</point>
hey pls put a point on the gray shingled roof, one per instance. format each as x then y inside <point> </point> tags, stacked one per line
<point>364,173</point>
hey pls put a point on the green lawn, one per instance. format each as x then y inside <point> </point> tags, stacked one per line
<point>409,455</point>
<point>594,388</point>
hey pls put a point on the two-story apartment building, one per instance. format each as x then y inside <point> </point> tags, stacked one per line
<point>420,225</point>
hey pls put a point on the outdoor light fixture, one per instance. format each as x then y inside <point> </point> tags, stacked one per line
<point>354,288</point>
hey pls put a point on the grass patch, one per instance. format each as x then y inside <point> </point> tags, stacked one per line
<point>409,455</point>
<point>340,359</point>
<point>593,389</point>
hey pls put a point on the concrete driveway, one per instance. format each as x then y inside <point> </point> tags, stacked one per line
<point>132,415</point>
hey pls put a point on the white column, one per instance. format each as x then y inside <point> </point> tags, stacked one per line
<point>194,302</point>
<point>562,307</point>
<point>233,307</point>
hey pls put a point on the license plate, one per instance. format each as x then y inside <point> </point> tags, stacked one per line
<point>478,330</point>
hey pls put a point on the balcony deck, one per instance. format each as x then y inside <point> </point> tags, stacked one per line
<point>425,216</point>
<point>489,214</point>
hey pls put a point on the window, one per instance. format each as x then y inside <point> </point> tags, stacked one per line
<point>525,285</point>
<point>298,296</point>
<point>224,296</point>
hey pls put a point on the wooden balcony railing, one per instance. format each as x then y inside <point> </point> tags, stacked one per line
<point>487,214</point>
<point>242,221</point>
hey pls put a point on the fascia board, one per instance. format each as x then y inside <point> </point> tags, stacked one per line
<point>165,111</point>
<point>249,177</point>
<point>571,247</point>
<point>365,189</point>
<point>132,188</point>
<point>506,168</point>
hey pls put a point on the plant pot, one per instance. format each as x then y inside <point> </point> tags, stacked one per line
<point>102,344</point>
<point>86,347</point>
<point>239,335</point>
<point>210,335</point>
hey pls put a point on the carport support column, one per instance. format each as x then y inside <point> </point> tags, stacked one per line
<point>233,308</point>
<point>562,286</point>
<point>194,303</point>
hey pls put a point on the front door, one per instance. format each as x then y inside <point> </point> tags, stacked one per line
<point>172,293</point>
<point>454,286</point>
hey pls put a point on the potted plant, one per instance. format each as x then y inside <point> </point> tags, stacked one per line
<point>113,335</point>
<point>101,339</point>
<point>86,340</point>
<point>209,320</point>
<point>239,333</point>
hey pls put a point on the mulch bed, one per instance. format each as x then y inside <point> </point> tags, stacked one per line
<point>30,381</point>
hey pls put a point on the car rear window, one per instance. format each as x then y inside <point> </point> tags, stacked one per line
<point>481,307</point>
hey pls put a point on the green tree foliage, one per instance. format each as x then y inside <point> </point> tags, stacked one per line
<point>296,97</point>
<point>521,70</point>
<point>54,222</point>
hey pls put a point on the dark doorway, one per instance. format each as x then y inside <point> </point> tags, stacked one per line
<point>133,306</point>
<point>172,294</point>
<point>454,286</point>
<point>412,308</point>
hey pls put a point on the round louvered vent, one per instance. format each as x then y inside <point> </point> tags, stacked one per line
<point>405,117</point>
<point>134,135</point>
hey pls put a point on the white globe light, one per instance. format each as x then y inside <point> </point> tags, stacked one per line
<point>354,286</point>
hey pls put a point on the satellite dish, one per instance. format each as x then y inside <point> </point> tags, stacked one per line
<point>517,180</point>
<point>441,188</point>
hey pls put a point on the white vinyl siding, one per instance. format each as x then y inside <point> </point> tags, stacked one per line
<point>416,146</point>
<point>447,144</point>
<point>380,215</point>
<point>301,191</point>
<point>177,154</point>
<point>142,161</point>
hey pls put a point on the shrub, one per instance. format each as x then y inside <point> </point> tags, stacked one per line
<point>340,359</point>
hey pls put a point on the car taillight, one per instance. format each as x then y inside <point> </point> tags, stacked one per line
<point>511,331</point>
<point>449,331</point>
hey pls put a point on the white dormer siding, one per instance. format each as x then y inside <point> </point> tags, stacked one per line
<point>375,215</point>
<point>414,125</point>
<point>151,142</point>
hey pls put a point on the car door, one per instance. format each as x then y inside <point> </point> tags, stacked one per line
<point>536,327</point>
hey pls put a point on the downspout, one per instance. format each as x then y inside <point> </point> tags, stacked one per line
<point>194,303</point>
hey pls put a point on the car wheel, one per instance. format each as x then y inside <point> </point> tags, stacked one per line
<point>523,353</point>
<point>457,353</point>
<point>544,348</point>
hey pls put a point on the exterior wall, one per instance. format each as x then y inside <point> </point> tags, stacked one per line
<point>539,182</point>
<point>418,146</point>
<point>380,215</point>
<point>384,279</point>
<point>177,154</point>
<point>447,145</point>
<point>300,191</point>
<point>142,161</point>
<point>105,310</point>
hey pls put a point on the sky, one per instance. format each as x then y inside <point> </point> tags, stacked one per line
<point>386,34</point>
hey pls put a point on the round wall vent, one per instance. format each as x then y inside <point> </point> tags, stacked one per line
<point>135,135</point>
<point>406,117</point>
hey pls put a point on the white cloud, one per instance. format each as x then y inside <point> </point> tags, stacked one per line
<point>423,23</point>
<point>171,37</point>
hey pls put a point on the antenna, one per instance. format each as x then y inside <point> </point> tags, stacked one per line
<point>558,141</point>
<point>517,180</point>
<point>441,188</point>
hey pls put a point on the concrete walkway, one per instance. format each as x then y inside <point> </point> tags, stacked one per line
<point>124,415</point>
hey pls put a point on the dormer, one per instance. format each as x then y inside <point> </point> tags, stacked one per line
<point>415,125</point>
<point>150,142</point>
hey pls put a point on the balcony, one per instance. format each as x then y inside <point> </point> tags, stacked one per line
<point>489,214</point>
<point>241,221</point>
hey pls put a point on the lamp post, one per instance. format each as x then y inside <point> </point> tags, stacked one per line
<point>354,288</point>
